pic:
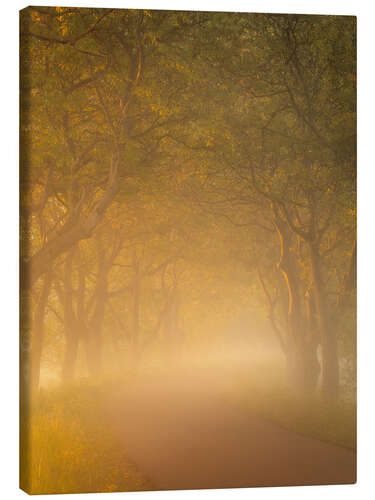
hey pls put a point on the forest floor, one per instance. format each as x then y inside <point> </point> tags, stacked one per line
<point>183,432</point>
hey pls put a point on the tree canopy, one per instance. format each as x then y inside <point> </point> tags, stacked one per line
<point>181,171</point>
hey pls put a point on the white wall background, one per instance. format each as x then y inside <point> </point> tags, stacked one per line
<point>365,11</point>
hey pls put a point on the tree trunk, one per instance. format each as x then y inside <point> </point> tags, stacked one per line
<point>93,354</point>
<point>330,365</point>
<point>174,332</point>
<point>312,338</point>
<point>70,356</point>
<point>301,355</point>
<point>136,303</point>
<point>93,335</point>
<point>93,331</point>
<point>78,227</point>
<point>38,333</point>
<point>349,282</point>
<point>70,323</point>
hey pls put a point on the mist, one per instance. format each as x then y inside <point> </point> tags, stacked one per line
<point>187,249</point>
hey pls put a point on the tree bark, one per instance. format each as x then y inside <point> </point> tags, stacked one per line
<point>330,365</point>
<point>78,227</point>
<point>38,332</point>
<point>301,355</point>
<point>70,323</point>
<point>70,356</point>
<point>92,327</point>
<point>349,282</point>
<point>136,306</point>
<point>93,335</point>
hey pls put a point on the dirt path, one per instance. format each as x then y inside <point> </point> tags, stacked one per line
<point>183,436</point>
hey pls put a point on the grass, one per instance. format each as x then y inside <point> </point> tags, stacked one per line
<point>69,448</point>
<point>307,414</point>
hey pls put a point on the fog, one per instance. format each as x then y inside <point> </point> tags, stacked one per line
<point>187,249</point>
<point>210,363</point>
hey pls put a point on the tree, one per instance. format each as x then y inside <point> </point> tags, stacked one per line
<point>181,166</point>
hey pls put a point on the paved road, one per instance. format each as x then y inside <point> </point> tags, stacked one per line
<point>183,435</point>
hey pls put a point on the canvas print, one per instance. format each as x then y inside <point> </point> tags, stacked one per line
<point>188,250</point>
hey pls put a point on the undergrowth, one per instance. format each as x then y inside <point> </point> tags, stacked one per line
<point>308,414</point>
<point>67,447</point>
